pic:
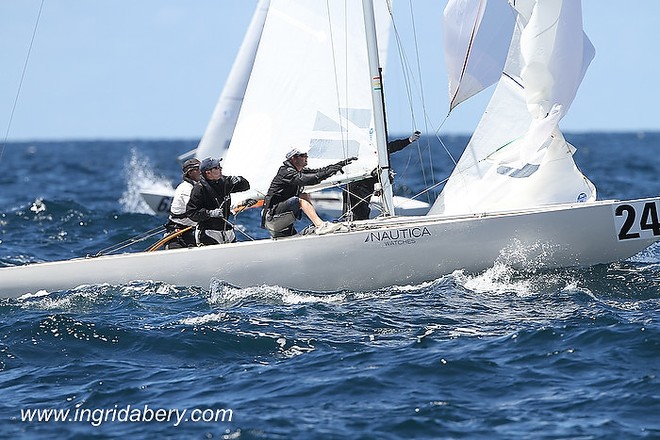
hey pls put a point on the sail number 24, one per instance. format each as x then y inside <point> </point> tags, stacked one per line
<point>636,220</point>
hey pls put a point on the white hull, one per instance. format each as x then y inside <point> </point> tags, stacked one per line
<point>375,254</point>
<point>159,201</point>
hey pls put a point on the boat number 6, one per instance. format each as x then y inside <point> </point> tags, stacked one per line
<point>164,204</point>
<point>630,227</point>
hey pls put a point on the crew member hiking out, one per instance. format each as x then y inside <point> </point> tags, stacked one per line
<point>210,203</point>
<point>286,200</point>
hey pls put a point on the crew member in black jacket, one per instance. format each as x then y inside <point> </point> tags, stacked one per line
<point>210,202</point>
<point>356,195</point>
<point>285,199</point>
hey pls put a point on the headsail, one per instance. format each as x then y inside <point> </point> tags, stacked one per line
<point>477,34</point>
<point>518,157</point>
<point>310,86</point>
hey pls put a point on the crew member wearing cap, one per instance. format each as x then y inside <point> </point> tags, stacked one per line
<point>285,199</point>
<point>178,219</point>
<point>210,201</point>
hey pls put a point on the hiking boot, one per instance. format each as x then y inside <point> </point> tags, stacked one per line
<point>327,228</point>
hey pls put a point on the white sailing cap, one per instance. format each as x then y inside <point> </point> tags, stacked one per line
<point>297,151</point>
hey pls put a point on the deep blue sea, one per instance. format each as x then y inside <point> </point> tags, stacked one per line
<point>563,354</point>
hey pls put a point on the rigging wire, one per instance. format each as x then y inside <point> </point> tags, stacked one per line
<point>343,133</point>
<point>421,87</point>
<point>130,241</point>
<point>341,120</point>
<point>410,81</point>
<point>236,228</point>
<point>20,83</point>
<point>412,84</point>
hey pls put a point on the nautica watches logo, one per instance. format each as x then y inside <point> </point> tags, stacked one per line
<point>397,236</point>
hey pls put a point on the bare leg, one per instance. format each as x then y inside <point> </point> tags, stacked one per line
<point>308,209</point>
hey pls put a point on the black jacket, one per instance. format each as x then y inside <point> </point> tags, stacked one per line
<point>358,194</point>
<point>397,145</point>
<point>365,187</point>
<point>289,182</point>
<point>207,195</point>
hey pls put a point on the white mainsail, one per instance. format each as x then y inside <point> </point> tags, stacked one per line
<point>517,157</point>
<point>220,128</point>
<point>310,86</point>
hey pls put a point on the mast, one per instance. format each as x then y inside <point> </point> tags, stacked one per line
<point>379,111</point>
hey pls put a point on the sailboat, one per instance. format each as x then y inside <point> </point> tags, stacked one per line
<point>220,128</point>
<point>515,196</point>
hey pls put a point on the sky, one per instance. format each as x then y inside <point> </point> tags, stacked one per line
<point>153,69</point>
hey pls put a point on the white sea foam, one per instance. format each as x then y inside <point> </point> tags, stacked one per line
<point>222,293</point>
<point>204,319</point>
<point>38,294</point>
<point>140,176</point>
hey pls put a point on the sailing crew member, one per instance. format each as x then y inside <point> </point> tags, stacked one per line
<point>286,200</point>
<point>357,195</point>
<point>178,220</point>
<point>210,202</point>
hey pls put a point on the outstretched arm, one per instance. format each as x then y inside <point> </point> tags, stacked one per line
<point>237,184</point>
<point>400,144</point>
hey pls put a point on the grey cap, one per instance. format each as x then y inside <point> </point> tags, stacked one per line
<point>209,163</point>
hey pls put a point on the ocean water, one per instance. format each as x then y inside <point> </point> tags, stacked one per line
<point>571,353</point>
